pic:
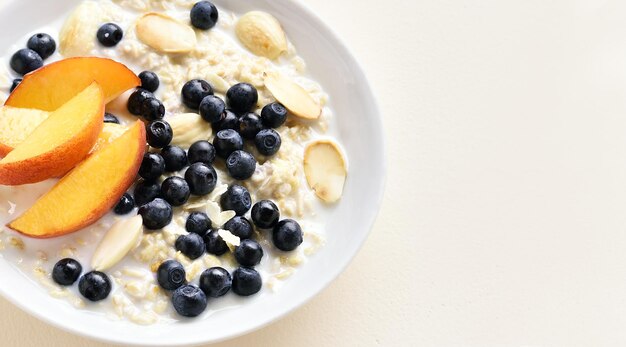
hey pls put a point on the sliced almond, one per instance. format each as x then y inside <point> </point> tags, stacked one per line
<point>292,96</point>
<point>325,170</point>
<point>224,217</point>
<point>217,216</point>
<point>123,236</point>
<point>218,191</point>
<point>218,83</point>
<point>231,240</point>
<point>189,128</point>
<point>165,34</point>
<point>262,34</point>
<point>77,35</point>
<point>195,204</point>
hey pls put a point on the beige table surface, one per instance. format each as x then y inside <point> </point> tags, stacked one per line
<point>503,222</point>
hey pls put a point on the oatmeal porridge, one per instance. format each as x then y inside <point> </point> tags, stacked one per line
<point>208,180</point>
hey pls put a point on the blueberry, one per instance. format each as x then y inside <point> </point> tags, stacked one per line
<point>66,271</point>
<point>146,191</point>
<point>110,118</point>
<point>152,166</point>
<point>26,60</point>
<point>249,253</point>
<point>152,109</point>
<point>273,115</point>
<point>241,165</point>
<point>175,190</point>
<point>43,44</point>
<point>192,245</point>
<point>204,15</point>
<point>287,235</point>
<point>229,121</point>
<point>94,286</point>
<point>198,223</point>
<point>194,92</point>
<point>175,158</point>
<point>136,99</point>
<point>240,227</point>
<point>189,301</point>
<point>246,281</point>
<point>110,34</point>
<point>125,205</point>
<point>226,142</point>
<point>212,109</point>
<point>250,125</point>
<point>201,152</point>
<point>159,133</point>
<point>265,214</point>
<point>236,198</point>
<point>201,178</point>
<point>16,82</point>
<point>242,97</point>
<point>268,142</point>
<point>156,214</point>
<point>215,282</point>
<point>214,243</point>
<point>171,275</point>
<point>149,81</point>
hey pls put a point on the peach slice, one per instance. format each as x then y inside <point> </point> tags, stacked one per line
<point>89,191</point>
<point>51,86</point>
<point>16,124</point>
<point>63,140</point>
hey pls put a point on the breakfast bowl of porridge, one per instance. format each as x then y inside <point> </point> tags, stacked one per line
<point>179,171</point>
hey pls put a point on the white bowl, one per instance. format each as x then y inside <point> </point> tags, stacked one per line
<point>359,130</point>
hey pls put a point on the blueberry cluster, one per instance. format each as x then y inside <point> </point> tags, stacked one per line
<point>156,201</point>
<point>142,102</point>
<point>235,122</point>
<point>156,209</point>
<point>38,48</point>
<point>287,234</point>
<point>94,285</point>
<point>190,300</point>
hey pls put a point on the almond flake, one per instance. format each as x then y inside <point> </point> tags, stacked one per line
<point>123,236</point>
<point>297,100</point>
<point>231,240</point>
<point>262,34</point>
<point>165,34</point>
<point>325,170</point>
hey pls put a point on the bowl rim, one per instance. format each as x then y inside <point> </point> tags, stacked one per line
<point>280,313</point>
